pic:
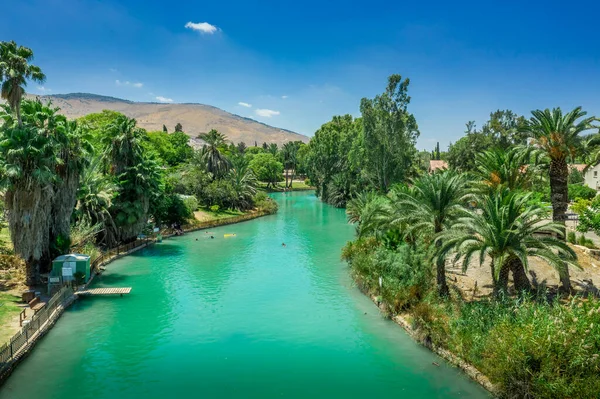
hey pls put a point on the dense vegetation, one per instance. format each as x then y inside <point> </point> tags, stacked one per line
<point>501,203</point>
<point>101,180</point>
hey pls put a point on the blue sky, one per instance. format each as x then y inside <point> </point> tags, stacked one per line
<point>299,63</point>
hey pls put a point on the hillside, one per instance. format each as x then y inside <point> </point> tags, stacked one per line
<point>195,118</point>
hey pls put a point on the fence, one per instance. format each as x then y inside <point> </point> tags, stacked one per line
<point>120,250</point>
<point>11,350</point>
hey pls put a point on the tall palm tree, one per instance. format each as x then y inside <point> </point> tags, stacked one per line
<point>273,149</point>
<point>15,70</point>
<point>559,136</point>
<point>28,156</point>
<point>427,209</point>
<point>506,230</point>
<point>290,159</point>
<point>216,163</point>
<point>74,153</point>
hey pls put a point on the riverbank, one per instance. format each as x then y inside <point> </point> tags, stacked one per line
<point>405,321</point>
<point>513,347</point>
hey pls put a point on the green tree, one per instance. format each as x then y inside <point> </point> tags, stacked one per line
<point>267,168</point>
<point>241,147</point>
<point>290,159</point>
<point>390,133</point>
<point>243,182</point>
<point>216,163</point>
<point>507,230</point>
<point>74,152</point>
<point>94,200</point>
<point>431,206</point>
<point>15,70</point>
<point>462,154</point>
<point>165,129</point>
<point>178,127</point>
<point>559,136</point>
<point>28,156</point>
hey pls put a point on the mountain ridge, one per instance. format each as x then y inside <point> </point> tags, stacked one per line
<point>195,118</point>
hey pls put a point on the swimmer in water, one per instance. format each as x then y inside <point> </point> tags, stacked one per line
<point>212,237</point>
<point>283,244</point>
<point>196,239</point>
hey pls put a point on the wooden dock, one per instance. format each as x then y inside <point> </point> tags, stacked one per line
<point>105,291</point>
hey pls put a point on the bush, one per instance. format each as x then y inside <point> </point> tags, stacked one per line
<point>219,192</point>
<point>580,191</point>
<point>191,202</point>
<point>406,276</point>
<point>572,237</point>
<point>264,203</point>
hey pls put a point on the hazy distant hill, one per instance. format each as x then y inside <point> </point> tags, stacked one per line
<point>195,118</point>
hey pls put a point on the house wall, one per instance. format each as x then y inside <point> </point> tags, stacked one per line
<point>592,177</point>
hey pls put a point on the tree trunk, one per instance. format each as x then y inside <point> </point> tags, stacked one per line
<point>63,204</point>
<point>28,221</point>
<point>520,278</point>
<point>501,285</point>
<point>442,285</point>
<point>286,177</point>
<point>559,196</point>
<point>19,119</point>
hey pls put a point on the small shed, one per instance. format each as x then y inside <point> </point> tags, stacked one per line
<point>66,266</point>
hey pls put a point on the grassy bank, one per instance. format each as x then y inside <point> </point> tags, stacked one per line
<point>9,311</point>
<point>297,185</point>
<point>528,348</point>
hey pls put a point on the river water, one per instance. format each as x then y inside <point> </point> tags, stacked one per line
<point>237,317</point>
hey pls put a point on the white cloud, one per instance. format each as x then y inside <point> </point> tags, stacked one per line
<point>44,89</point>
<point>243,104</point>
<point>284,97</point>
<point>164,99</point>
<point>267,113</point>
<point>202,27</point>
<point>113,69</point>
<point>137,85</point>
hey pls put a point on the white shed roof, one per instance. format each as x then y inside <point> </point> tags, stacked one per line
<point>73,258</point>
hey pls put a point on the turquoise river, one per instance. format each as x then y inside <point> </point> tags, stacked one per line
<point>239,317</point>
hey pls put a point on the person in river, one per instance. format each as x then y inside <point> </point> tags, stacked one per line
<point>283,244</point>
<point>212,237</point>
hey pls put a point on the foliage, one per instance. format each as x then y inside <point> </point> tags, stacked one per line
<point>172,209</point>
<point>575,176</point>
<point>390,133</point>
<point>264,203</point>
<point>15,70</point>
<point>267,168</point>
<point>406,276</point>
<point>589,215</point>
<point>212,153</point>
<point>580,191</point>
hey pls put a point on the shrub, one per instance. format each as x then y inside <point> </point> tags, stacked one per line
<point>219,192</point>
<point>580,191</point>
<point>191,202</point>
<point>264,203</point>
<point>572,237</point>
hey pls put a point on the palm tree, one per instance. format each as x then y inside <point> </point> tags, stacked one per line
<point>241,148</point>
<point>559,137</point>
<point>216,163</point>
<point>74,153</point>
<point>15,70</point>
<point>28,156</point>
<point>273,149</point>
<point>507,230</point>
<point>243,182</point>
<point>122,142</point>
<point>427,209</point>
<point>510,168</point>
<point>94,200</point>
<point>290,159</point>
<point>498,169</point>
